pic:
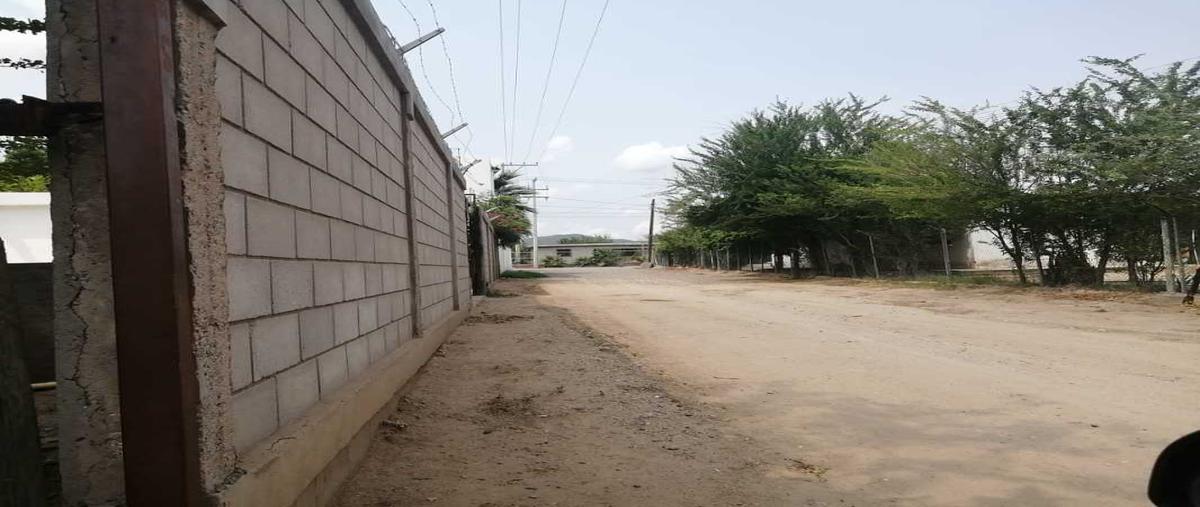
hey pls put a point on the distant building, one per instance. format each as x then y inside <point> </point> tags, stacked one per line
<point>25,226</point>
<point>568,252</point>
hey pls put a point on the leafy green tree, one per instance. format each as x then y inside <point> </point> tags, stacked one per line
<point>509,219</point>
<point>586,238</point>
<point>24,167</point>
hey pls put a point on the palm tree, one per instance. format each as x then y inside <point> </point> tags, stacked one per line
<point>504,183</point>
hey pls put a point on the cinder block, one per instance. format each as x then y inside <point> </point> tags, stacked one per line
<point>271,228</point>
<point>275,342</point>
<point>320,105</point>
<point>240,372</point>
<point>378,184</point>
<point>339,161</point>
<point>298,390</point>
<point>312,236</point>
<point>283,74</point>
<point>254,414</point>
<point>357,356</point>
<point>383,310</point>
<point>364,240</point>
<point>316,331</point>
<point>368,316</point>
<point>352,204</point>
<point>319,23</point>
<point>235,223</point>
<point>309,140</point>
<point>374,277</point>
<point>391,336</point>
<point>272,15</point>
<point>389,277</point>
<point>304,47</point>
<point>291,285</point>
<point>376,345</point>
<point>229,90</point>
<point>347,127</point>
<point>267,115</point>
<point>243,160</point>
<point>241,41</point>
<point>343,240</point>
<point>366,145</point>
<point>345,321</point>
<point>289,179</point>
<point>372,212</point>
<point>332,367</point>
<point>328,283</point>
<point>335,80</point>
<point>362,174</point>
<point>326,194</point>
<point>354,280</point>
<point>249,284</point>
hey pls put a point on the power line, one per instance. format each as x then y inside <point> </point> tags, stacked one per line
<point>421,60</point>
<point>516,75</point>
<point>578,73</point>
<point>503,91</point>
<point>537,122</point>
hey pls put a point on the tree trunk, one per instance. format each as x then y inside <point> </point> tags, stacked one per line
<point>20,450</point>
<point>1018,255</point>
<point>1131,269</point>
<point>1102,262</point>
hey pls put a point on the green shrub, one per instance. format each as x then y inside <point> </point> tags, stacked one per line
<point>553,262</point>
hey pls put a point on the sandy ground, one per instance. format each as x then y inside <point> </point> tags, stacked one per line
<point>907,396</point>
<point>526,406</point>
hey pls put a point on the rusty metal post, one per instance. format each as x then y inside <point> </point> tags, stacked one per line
<point>151,283</point>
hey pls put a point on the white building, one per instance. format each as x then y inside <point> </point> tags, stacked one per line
<point>25,226</point>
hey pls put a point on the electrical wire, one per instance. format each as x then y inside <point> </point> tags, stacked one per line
<point>575,82</point>
<point>453,83</point>
<point>503,91</point>
<point>537,122</point>
<point>516,68</point>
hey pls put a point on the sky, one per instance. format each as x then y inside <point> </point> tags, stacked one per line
<point>663,74</point>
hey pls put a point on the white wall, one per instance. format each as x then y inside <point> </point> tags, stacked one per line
<point>25,226</point>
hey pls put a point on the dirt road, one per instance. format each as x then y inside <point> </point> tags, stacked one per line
<point>917,396</point>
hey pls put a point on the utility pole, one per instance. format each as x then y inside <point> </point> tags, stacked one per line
<point>650,246</point>
<point>534,196</point>
<point>945,251</point>
<point>874,260</point>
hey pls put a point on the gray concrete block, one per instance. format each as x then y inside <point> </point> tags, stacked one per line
<point>249,284</point>
<point>343,240</point>
<point>339,161</point>
<point>362,174</point>
<point>390,279</point>
<point>291,285</point>
<point>319,24</point>
<point>316,331</point>
<point>283,74</point>
<point>235,223</point>
<point>376,345</point>
<point>368,315</point>
<point>241,41</point>
<point>332,368</point>
<point>254,414</point>
<point>347,128</point>
<point>328,283</point>
<point>229,90</point>
<point>374,278</point>
<point>271,229</point>
<point>326,194</point>
<point>275,342</point>
<point>354,280</point>
<point>335,80</point>
<point>243,160</point>
<point>372,213</point>
<point>304,47</point>
<point>267,115</point>
<point>288,179</point>
<point>320,106</point>
<point>352,204</point>
<point>272,15</point>
<point>357,356</point>
<point>345,322</point>
<point>309,140</point>
<point>312,236</point>
<point>240,371</point>
<point>383,310</point>
<point>391,335</point>
<point>298,389</point>
<point>364,240</point>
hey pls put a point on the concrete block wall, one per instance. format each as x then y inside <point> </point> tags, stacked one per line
<point>316,203</point>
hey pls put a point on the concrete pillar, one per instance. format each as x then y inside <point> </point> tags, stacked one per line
<point>89,431</point>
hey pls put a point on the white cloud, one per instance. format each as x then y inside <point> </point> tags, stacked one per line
<point>649,157</point>
<point>557,147</point>
<point>641,230</point>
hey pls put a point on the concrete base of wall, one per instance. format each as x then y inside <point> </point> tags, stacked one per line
<point>306,462</point>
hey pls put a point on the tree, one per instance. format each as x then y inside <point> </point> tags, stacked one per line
<point>585,238</point>
<point>509,219</point>
<point>24,167</point>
